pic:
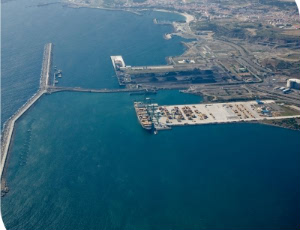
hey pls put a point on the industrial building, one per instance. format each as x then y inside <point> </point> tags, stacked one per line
<point>293,83</point>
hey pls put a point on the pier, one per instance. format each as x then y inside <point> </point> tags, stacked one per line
<point>180,72</point>
<point>119,64</point>
<point>165,117</point>
<point>54,89</point>
<point>9,125</point>
<point>46,67</point>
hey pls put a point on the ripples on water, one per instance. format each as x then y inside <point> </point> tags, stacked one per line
<point>84,41</point>
<point>82,161</point>
<point>90,165</point>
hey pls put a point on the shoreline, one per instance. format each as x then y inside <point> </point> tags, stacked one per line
<point>188,17</point>
<point>137,11</point>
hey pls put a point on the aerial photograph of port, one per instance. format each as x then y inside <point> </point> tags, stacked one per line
<point>150,114</point>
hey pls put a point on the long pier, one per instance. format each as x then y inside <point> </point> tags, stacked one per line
<point>9,125</point>
<point>53,89</point>
<point>46,67</point>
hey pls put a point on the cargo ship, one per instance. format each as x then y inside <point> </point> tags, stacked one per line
<point>143,116</point>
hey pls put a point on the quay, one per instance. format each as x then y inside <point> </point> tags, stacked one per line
<point>119,64</point>
<point>180,73</point>
<point>9,125</point>
<point>46,67</point>
<point>165,117</point>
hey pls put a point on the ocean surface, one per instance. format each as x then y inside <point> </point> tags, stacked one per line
<point>84,39</point>
<point>81,161</point>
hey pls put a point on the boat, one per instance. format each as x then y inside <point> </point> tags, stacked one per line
<point>143,116</point>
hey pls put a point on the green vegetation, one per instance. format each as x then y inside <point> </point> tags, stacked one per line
<point>228,29</point>
<point>275,64</point>
<point>292,123</point>
<point>239,30</point>
<point>287,111</point>
<point>283,5</point>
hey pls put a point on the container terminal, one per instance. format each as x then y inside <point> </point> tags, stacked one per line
<point>164,117</point>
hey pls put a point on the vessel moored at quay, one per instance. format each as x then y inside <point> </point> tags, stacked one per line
<point>143,115</point>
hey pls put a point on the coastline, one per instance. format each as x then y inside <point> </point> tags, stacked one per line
<point>188,17</point>
<point>78,6</point>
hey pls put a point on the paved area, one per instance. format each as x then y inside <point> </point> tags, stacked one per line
<point>196,114</point>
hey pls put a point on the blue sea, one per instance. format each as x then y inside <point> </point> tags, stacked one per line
<point>81,161</point>
<point>84,39</point>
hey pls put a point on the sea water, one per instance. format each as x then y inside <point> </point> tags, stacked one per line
<point>82,160</point>
<point>84,39</point>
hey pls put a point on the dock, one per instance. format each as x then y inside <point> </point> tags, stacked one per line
<point>165,117</point>
<point>9,125</point>
<point>186,72</point>
<point>119,64</point>
<point>46,67</point>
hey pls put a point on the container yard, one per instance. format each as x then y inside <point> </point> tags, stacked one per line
<point>164,117</point>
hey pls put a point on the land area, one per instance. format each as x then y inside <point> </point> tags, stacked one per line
<point>237,50</point>
<point>217,113</point>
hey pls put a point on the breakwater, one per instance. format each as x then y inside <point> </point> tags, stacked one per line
<point>9,125</point>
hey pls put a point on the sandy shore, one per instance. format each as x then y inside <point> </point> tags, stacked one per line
<point>188,17</point>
